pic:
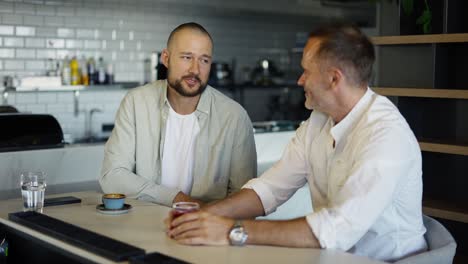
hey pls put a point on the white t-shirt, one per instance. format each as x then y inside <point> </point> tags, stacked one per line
<point>178,154</point>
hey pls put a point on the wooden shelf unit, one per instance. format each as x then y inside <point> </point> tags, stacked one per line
<point>435,208</point>
<point>445,210</point>
<point>427,75</point>
<point>430,93</point>
<point>444,148</point>
<point>422,92</point>
<point>420,39</point>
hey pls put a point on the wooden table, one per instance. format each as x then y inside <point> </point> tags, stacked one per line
<point>143,227</point>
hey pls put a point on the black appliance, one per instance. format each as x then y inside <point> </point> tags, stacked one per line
<point>29,131</point>
<point>220,74</point>
<point>266,74</point>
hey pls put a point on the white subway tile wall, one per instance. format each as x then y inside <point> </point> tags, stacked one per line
<point>128,31</point>
<point>6,7</point>
<point>35,65</point>
<point>45,53</point>
<point>13,42</point>
<point>61,106</point>
<point>24,8</point>
<point>25,31</point>
<point>35,43</point>
<point>125,33</point>
<point>6,30</point>
<point>12,19</point>
<point>33,20</point>
<point>14,65</point>
<point>25,53</point>
<point>7,53</point>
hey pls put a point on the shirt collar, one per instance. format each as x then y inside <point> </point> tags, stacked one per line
<point>163,98</point>
<point>205,101</point>
<point>203,105</point>
<point>341,129</point>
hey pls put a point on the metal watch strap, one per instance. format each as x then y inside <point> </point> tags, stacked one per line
<point>238,235</point>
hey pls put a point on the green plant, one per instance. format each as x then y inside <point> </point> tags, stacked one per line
<point>424,19</point>
<point>408,6</point>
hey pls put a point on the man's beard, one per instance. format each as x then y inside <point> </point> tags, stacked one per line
<point>177,85</point>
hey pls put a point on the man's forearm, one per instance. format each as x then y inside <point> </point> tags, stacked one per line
<point>290,233</point>
<point>241,205</point>
<point>203,228</point>
<point>123,180</point>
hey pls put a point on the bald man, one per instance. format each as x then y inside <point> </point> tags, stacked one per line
<point>180,139</point>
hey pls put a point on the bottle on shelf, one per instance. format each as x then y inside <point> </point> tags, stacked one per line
<point>58,68</point>
<point>75,75</point>
<point>91,71</point>
<point>110,74</point>
<point>101,71</point>
<point>84,71</point>
<point>66,78</point>
<point>50,68</point>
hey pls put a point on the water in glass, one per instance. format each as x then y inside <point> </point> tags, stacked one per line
<point>33,187</point>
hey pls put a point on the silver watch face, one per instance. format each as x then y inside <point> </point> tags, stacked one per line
<point>237,236</point>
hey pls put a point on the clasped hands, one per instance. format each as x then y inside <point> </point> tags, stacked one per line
<point>199,228</point>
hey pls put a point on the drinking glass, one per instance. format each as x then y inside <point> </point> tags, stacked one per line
<point>181,208</point>
<point>33,185</point>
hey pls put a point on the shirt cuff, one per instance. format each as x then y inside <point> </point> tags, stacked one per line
<point>159,194</point>
<point>264,193</point>
<point>322,226</point>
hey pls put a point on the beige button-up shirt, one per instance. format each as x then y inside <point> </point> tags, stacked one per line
<point>224,158</point>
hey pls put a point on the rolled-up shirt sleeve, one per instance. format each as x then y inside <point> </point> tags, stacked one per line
<point>244,155</point>
<point>365,192</point>
<point>280,182</point>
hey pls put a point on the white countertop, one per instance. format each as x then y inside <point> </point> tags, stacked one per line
<point>81,163</point>
<point>143,227</point>
<point>76,168</point>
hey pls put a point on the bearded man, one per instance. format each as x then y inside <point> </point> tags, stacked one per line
<point>180,139</point>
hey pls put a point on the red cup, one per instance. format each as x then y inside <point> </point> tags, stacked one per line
<point>181,208</point>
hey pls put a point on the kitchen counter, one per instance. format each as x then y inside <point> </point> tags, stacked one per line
<point>72,168</point>
<point>76,167</point>
<point>143,227</point>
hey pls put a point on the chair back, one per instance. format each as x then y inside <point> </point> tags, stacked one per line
<point>440,243</point>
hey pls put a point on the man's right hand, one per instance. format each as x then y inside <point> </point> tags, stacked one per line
<point>199,228</point>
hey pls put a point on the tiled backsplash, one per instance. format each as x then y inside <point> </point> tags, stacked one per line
<point>125,32</point>
<point>61,106</point>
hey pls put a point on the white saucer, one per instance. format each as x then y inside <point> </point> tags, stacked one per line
<point>100,208</point>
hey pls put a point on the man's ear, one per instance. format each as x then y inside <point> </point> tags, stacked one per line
<point>165,57</point>
<point>335,77</point>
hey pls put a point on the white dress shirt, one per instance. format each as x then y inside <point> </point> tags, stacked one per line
<point>365,179</point>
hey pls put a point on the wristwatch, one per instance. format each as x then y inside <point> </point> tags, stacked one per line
<point>238,235</point>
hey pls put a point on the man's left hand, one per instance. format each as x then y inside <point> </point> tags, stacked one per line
<point>182,197</point>
<point>200,228</point>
